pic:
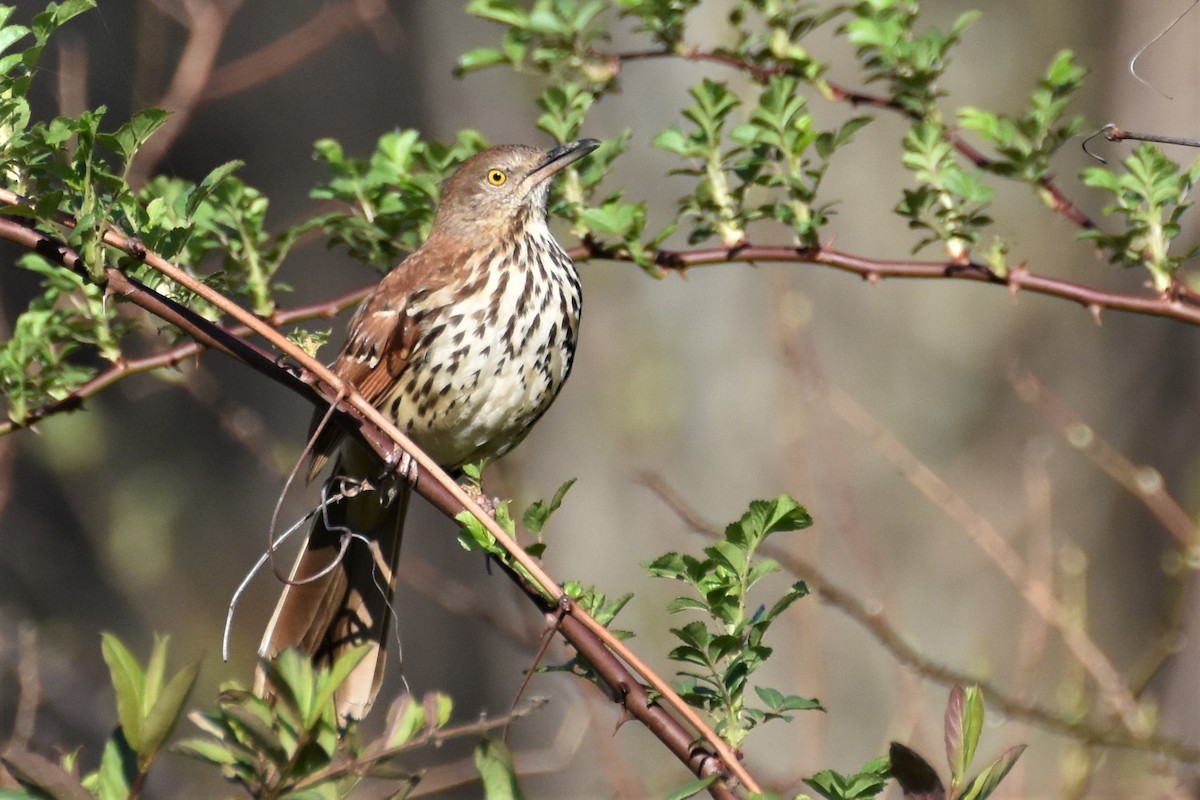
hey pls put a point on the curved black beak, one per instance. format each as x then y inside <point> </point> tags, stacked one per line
<point>560,157</point>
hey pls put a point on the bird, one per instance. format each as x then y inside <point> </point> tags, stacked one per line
<point>464,345</point>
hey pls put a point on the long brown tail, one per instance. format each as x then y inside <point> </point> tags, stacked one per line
<point>350,603</point>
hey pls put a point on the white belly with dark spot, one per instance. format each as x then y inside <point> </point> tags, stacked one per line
<point>490,379</point>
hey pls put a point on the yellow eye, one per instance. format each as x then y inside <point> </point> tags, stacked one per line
<point>496,177</point>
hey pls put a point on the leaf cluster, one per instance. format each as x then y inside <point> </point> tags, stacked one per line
<point>1151,194</point>
<point>387,199</point>
<point>777,153</point>
<point>770,34</point>
<point>1026,143</point>
<point>963,725</point>
<point>292,745</point>
<point>552,37</point>
<point>76,173</point>
<point>868,782</point>
<point>892,52</point>
<point>721,651</point>
<point>949,200</point>
<point>149,705</point>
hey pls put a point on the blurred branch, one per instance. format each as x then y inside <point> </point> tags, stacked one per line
<point>1179,305</point>
<point>29,687</point>
<point>1040,555</point>
<point>610,657</point>
<point>206,21</point>
<point>1143,482</point>
<point>292,48</point>
<point>879,626</point>
<point>70,86</point>
<point>462,599</point>
<point>1147,485</point>
<point>989,541</point>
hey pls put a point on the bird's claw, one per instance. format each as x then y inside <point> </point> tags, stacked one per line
<point>399,466</point>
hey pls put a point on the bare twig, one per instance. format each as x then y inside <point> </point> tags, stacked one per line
<point>432,736</point>
<point>1116,134</point>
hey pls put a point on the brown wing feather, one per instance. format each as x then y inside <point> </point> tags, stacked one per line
<point>381,340</point>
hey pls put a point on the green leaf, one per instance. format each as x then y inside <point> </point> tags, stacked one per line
<point>128,138</point>
<point>480,58</point>
<point>673,140</point>
<point>798,589</point>
<point>728,555</point>
<point>66,10</point>
<point>328,682</point>
<point>963,724</point>
<point>495,767</point>
<point>777,702</point>
<point>866,783</point>
<point>206,750</point>
<point>129,683</point>
<point>692,789</point>
<point>118,769</point>
<point>210,182</point>
<point>686,603</point>
<point>405,720</point>
<point>442,705</point>
<point>10,35</point>
<point>299,679</point>
<point>505,12</point>
<point>164,715</point>
<point>987,781</point>
<point>539,512</point>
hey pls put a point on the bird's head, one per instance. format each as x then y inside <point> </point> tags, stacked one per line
<point>493,188</point>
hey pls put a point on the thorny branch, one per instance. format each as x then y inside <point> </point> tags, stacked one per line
<point>175,356</point>
<point>1180,305</point>
<point>612,659</point>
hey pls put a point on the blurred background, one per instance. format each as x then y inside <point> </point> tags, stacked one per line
<point>915,420</point>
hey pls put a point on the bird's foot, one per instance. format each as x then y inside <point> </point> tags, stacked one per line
<point>399,468</point>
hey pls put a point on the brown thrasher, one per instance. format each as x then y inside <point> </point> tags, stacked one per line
<point>464,344</point>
